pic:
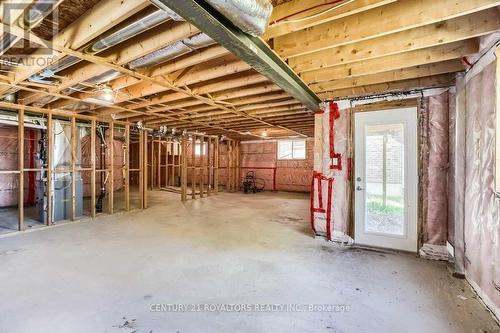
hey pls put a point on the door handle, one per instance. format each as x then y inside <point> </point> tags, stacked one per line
<point>359,188</point>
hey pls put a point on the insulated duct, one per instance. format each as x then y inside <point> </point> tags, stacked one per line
<point>36,12</point>
<point>134,28</point>
<point>129,31</point>
<point>251,16</point>
<point>172,51</point>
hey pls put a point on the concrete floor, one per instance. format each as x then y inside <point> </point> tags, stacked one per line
<point>104,276</point>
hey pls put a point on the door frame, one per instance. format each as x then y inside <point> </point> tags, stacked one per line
<point>411,189</point>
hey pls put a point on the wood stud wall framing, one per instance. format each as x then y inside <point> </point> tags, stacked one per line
<point>49,171</point>
<point>170,162</point>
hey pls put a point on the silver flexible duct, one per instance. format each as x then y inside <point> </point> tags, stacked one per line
<point>251,16</point>
<point>36,12</point>
<point>172,51</point>
<point>145,23</point>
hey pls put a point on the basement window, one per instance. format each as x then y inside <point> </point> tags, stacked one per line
<point>198,150</point>
<point>292,149</point>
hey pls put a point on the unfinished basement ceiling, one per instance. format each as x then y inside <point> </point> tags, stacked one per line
<point>340,49</point>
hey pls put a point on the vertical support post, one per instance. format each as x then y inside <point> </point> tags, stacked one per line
<point>202,165</point>
<point>172,152</point>
<point>238,175</point>
<point>50,153</point>
<point>210,169</point>
<point>216,166</point>
<point>193,176</point>
<point>141,168</point>
<point>183,168</point>
<point>166,164</point>
<point>73,168</point>
<point>228,167</point>
<point>145,133</point>
<point>151,177</point>
<point>158,178</point>
<point>127,167</point>
<point>92,172</point>
<point>20,149</point>
<point>112,165</point>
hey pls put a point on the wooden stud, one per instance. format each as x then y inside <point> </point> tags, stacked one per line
<point>20,149</point>
<point>93,171</point>
<point>183,166</point>
<point>193,168</point>
<point>111,171</point>
<point>73,168</point>
<point>141,169</point>
<point>158,177</point>
<point>145,133</point>
<point>127,168</point>
<point>50,153</point>
<point>216,168</point>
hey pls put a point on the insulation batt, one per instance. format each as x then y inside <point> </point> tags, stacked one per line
<point>9,183</point>
<point>482,208</point>
<point>291,175</point>
<point>339,203</point>
<point>118,160</point>
<point>436,222</point>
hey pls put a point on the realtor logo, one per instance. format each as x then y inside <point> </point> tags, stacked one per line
<point>40,18</point>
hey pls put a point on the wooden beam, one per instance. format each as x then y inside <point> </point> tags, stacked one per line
<point>103,16</point>
<point>442,80</point>
<point>135,48</point>
<point>392,18</point>
<point>306,18</point>
<point>394,62</point>
<point>450,31</point>
<point>449,66</point>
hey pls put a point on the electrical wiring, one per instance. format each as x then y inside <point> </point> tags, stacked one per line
<point>287,20</point>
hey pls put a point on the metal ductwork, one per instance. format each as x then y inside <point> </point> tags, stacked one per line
<point>134,28</point>
<point>129,31</point>
<point>251,16</point>
<point>172,51</point>
<point>36,12</point>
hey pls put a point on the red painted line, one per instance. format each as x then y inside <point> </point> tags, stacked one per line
<point>329,210</point>
<point>312,202</point>
<point>334,115</point>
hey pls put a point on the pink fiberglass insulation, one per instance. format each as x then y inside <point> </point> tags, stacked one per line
<point>118,160</point>
<point>482,208</point>
<point>295,175</point>
<point>436,221</point>
<point>288,175</point>
<point>339,193</point>
<point>259,157</point>
<point>9,183</point>
<point>451,160</point>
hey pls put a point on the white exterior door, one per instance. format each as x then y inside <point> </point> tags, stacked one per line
<point>386,179</point>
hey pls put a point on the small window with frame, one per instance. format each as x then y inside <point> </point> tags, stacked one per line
<point>292,149</point>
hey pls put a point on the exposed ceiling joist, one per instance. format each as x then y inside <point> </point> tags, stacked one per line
<point>250,49</point>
